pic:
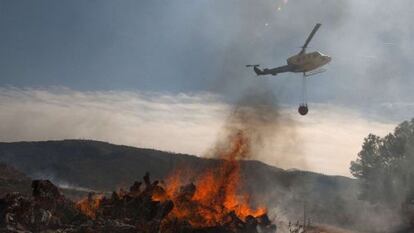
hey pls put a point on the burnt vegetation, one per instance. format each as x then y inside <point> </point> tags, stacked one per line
<point>139,209</point>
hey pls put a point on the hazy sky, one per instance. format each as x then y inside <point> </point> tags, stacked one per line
<point>198,49</point>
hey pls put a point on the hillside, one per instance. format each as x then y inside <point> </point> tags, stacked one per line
<point>103,166</point>
<point>89,164</point>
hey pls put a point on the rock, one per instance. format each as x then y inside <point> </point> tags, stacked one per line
<point>44,189</point>
<point>146,211</point>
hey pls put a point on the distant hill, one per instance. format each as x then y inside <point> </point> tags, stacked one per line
<point>91,164</point>
<point>103,166</point>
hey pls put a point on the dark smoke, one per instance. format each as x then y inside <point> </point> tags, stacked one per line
<point>269,133</point>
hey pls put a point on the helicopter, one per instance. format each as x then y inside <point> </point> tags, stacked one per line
<point>303,62</point>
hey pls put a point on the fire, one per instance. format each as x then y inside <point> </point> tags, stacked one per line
<point>90,205</point>
<point>216,194</point>
<point>214,199</point>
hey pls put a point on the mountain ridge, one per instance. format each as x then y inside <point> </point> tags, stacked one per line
<point>105,167</point>
<point>153,150</point>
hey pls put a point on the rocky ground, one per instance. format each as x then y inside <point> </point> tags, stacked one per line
<point>135,210</point>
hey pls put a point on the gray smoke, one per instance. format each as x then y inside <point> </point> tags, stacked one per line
<point>269,133</point>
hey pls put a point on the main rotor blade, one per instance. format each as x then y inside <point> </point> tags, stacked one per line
<point>310,37</point>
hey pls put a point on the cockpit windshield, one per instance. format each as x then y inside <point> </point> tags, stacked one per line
<point>320,54</point>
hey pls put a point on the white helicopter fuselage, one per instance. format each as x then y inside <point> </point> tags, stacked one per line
<point>305,62</point>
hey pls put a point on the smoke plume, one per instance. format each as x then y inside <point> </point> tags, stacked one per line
<point>257,117</point>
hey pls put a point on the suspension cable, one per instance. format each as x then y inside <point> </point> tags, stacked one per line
<point>304,89</point>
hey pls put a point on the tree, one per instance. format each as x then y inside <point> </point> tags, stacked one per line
<point>385,166</point>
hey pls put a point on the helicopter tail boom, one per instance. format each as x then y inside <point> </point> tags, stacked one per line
<point>258,71</point>
<point>273,71</point>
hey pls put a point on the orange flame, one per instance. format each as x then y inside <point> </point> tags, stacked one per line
<point>90,205</point>
<point>216,195</point>
<point>213,200</point>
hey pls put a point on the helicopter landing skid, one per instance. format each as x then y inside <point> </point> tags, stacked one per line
<point>313,73</point>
